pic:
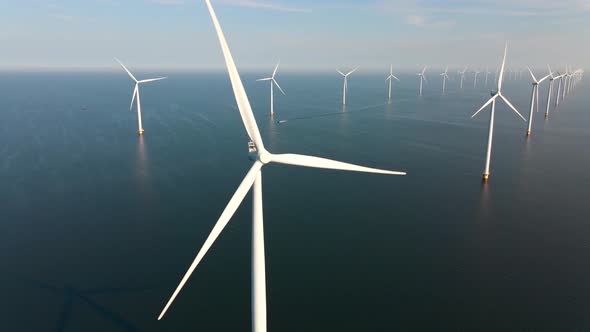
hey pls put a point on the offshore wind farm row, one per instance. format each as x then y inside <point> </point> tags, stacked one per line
<point>567,80</point>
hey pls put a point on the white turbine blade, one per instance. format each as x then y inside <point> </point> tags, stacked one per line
<point>550,71</point>
<point>224,219</point>
<point>264,79</point>
<point>500,79</point>
<point>532,75</point>
<point>275,71</point>
<point>127,70</point>
<point>341,73</point>
<point>484,106</point>
<point>237,86</point>
<point>391,70</point>
<point>153,80</point>
<point>424,70</point>
<point>352,71</point>
<point>278,86</point>
<point>134,94</point>
<point>316,162</point>
<point>544,78</point>
<point>424,77</point>
<point>395,78</point>
<point>511,106</point>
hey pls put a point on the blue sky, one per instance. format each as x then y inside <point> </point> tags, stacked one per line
<point>304,34</point>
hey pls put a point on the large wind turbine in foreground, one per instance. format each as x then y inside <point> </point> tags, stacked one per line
<point>534,95</point>
<point>345,88</point>
<point>445,76</point>
<point>492,101</point>
<point>422,78</point>
<point>136,94</point>
<point>260,157</point>
<point>390,79</point>
<point>273,82</point>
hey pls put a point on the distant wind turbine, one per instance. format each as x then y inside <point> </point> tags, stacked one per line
<point>273,82</point>
<point>390,79</point>
<point>260,157</point>
<point>534,95</point>
<point>345,88</point>
<point>445,76</point>
<point>422,78</point>
<point>475,80</point>
<point>487,74</point>
<point>136,94</point>
<point>492,101</point>
<point>462,76</point>
<point>550,92</point>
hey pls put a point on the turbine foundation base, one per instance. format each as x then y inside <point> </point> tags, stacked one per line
<point>486,177</point>
<point>528,133</point>
<point>140,132</point>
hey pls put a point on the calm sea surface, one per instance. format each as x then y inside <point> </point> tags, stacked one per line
<point>97,226</point>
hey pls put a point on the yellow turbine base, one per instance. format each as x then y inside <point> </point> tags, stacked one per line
<point>141,132</point>
<point>486,177</point>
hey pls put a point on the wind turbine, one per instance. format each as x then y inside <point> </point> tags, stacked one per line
<point>445,76</point>
<point>475,80</point>
<point>422,78</point>
<point>560,78</point>
<point>487,74</point>
<point>390,79</point>
<point>492,101</point>
<point>260,156</point>
<point>462,76</point>
<point>550,92</point>
<point>273,82</point>
<point>534,95</point>
<point>345,88</point>
<point>136,94</point>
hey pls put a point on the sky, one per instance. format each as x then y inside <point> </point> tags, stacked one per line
<point>303,34</point>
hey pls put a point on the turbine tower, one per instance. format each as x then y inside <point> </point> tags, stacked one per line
<point>273,82</point>
<point>475,80</point>
<point>345,88</point>
<point>492,101</point>
<point>534,95</point>
<point>422,78</point>
<point>136,94</point>
<point>560,78</point>
<point>390,79</point>
<point>550,92</point>
<point>445,76</point>
<point>260,157</point>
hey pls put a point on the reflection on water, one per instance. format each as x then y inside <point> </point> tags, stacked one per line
<point>73,296</point>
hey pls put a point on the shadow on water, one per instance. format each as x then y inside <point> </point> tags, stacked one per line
<point>71,294</point>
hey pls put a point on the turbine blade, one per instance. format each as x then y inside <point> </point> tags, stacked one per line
<point>532,75</point>
<point>127,70</point>
<point>153,80</point>
<point>484,106</point>
<point>511,106</point>
<point>316,162</point>
<point>395,78</point>
<point>544,78</point>
<point>224,219</point>
<point>264,79</point>
<point>276,68</point>
<point>341,73</point>
<point>237,86</point>
<point>352,71</point>
<point>278,86</point>
<point>500,79</point>
<point>134,94</point>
